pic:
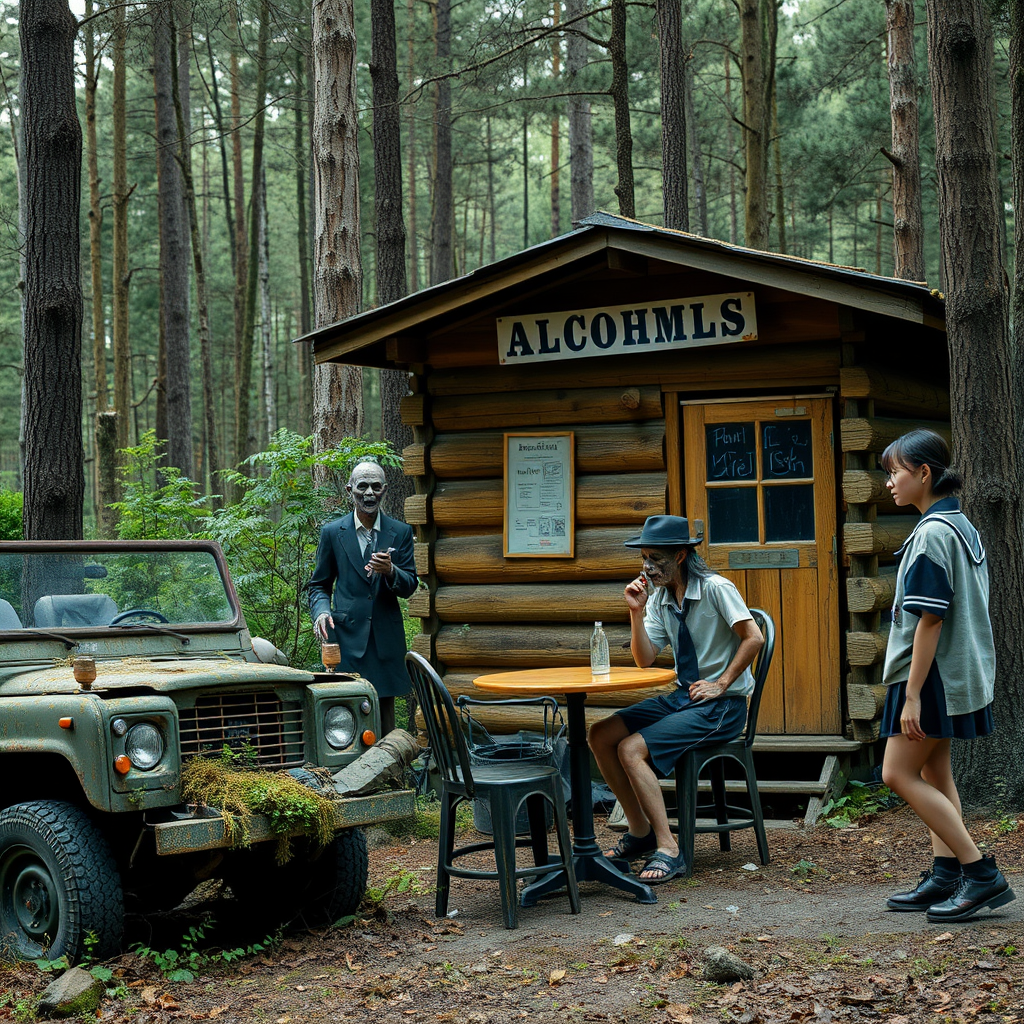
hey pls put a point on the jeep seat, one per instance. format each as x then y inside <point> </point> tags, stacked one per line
<point>69,610</point>
<point>8,616</point>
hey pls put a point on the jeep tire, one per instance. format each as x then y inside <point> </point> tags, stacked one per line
<point>59,884</point>
<point>314,886</point>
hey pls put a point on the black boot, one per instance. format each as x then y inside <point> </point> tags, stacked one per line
<point>938,883</point>
<point>981,885</point>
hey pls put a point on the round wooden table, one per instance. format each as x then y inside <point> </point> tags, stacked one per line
<point>576,682</point>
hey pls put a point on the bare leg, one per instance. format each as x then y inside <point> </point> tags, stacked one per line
<point>604,738</point>
<point>906,767</point>
<point>633,755</point>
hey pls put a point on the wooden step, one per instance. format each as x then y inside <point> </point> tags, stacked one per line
<point>816,787</point>
<point>798,744</point>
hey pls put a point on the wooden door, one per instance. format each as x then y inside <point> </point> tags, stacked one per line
<point>761,475</point>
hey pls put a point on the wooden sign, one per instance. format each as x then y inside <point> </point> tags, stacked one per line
<point>657,326</point>
<point>539,495</point>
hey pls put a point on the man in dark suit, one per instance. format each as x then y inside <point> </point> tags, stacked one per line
<point>367,558</point>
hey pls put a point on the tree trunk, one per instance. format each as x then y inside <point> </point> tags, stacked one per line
<point>387,178</point>
<point>700,192</point>
<point>241,238</point>
<point>734,234</point>
<point>269,411</point>
<point>985,365</point>
<point>414,259</point>
<point>619,93</point>
<point>120,283</point>
<point>758,26</point>
<point>581,139</point>
<point>222,146</point>
<point>493,230</point>
<point>441,218</point>
<point>556,159</point>
<point>338,283</point>
<point>908,222</point>
<point>174,239</point>
<point>243,405</point>
<point>673,114</point>
<point>301,171</point>
<point>213,466</point>
<point>780,194</point>
<point>52,155</point>
<point>99,346</point>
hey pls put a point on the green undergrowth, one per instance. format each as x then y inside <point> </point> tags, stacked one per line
<point>425,823</point>
<point>239,794</point>
<point>857,800</point>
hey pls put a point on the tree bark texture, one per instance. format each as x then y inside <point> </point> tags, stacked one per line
<point>908,223</point>
<point>337,277</point>
<point>99,339</point>
<point>301,170</point>
<point>218,120</point>
<point>442,213</point>
<point>758,28</point>
<point>556,159</point>
<point>174,241</point>
<point>700,191</point>
<point>673,114</point>
<point>414,260</point>
<point>269,406</point>
<point>985,365</point>
<point>241,237</point>
<point>52,154</point>
<point>387,154</point>
<point>119,255</point>
<point>619,93</point>
<point>243,405</point>
<point>581,138</point>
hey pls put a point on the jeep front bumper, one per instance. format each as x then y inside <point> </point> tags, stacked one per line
<point>211,833</point>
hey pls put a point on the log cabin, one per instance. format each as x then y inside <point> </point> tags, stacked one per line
<point>747,389</point>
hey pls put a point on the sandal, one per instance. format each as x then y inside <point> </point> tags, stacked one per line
<point>631,847</point>
<point>669,866</point>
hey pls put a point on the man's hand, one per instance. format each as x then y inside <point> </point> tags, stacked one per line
<point>636,594</point>
<point>380,562</point>
<point>323,620</point>
<point>706,689</point>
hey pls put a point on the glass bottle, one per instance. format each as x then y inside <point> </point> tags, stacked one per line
<point>600,664</point>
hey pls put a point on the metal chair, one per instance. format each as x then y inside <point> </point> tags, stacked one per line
<point>728,818</point>
<point>506,785</point>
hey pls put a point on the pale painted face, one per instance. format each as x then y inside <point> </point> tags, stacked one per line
<point>663,568</point>
<point>367,487</point>
<point>910,485</point>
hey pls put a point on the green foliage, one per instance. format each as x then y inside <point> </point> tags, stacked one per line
<point>400,882</point>
<point>425,823</point>
<point>270,536</point>
<point>182,965</point>
<point>148,509</point>
<point>858,799</point>
<point>11,505</point>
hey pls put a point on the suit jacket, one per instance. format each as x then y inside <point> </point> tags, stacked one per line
<point>367,617</point>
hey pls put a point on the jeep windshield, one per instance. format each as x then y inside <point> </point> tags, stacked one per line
<point>96,586</point>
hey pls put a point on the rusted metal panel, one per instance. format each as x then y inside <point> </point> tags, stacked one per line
<point>175,837</point>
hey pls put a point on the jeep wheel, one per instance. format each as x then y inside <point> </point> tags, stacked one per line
<point>58,883</point>
<point>316,886</point>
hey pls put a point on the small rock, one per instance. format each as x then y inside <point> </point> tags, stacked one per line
<point>722,967</point>
<point>377,838</point>
<point>622,939</point>
<point>76,993</point>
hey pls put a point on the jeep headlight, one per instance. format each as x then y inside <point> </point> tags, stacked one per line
<point>144,745</point>
<point>339,727</point>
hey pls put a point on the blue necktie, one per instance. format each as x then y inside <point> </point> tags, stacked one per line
<point>687,670</point>
<point>368,550</point>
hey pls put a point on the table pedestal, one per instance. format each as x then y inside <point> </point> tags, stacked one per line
<point>589,862</point>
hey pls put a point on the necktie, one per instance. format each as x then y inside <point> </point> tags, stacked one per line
<point>687,670</point>
<point>368,550</point>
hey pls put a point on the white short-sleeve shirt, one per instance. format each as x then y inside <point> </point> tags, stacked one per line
<point>716,609</point>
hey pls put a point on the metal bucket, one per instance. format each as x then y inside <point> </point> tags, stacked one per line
<point>519,752</point>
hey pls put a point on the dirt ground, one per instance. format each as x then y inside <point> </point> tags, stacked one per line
<point>812,924</point>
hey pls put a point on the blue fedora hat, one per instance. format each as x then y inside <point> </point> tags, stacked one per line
<point>668,532</point>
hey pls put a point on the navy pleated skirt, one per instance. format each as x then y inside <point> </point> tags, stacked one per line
<point>935,721</point>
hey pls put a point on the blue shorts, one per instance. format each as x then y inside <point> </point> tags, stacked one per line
<point>671,724</point>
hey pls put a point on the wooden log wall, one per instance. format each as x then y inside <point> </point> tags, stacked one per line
<point>481,612</point>
<point>874,527</point>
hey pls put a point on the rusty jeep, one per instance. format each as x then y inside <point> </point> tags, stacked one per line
<point>119,662</point>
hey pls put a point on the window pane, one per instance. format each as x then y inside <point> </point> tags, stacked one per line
<point>732,515</point>
<point>789,512</point>
<point>731,451</point>
<point>786,449</point>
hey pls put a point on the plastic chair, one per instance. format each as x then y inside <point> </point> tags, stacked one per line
<point>728,818</point>
<point>506,786</point>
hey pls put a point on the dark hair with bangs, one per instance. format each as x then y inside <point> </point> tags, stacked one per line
<point>923,448</point>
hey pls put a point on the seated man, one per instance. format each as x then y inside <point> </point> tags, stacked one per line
<point>714,640</point>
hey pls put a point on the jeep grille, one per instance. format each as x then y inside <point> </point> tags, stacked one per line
<point>262,729</point>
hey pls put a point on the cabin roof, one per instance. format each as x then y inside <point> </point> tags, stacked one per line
<point>593,245</point>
